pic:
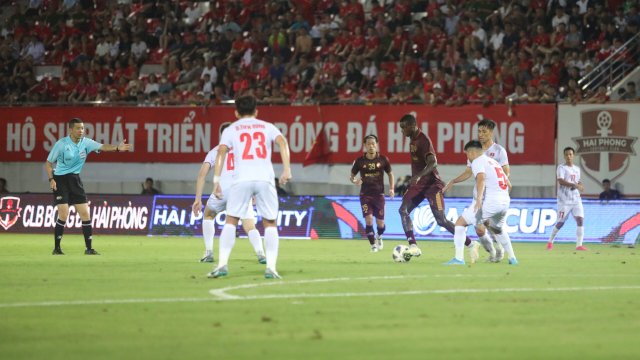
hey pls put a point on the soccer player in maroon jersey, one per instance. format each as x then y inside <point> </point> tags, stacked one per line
<point>425,183</point>
<point>371,166</point>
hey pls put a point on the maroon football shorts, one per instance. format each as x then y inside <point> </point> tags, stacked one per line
<point>433,192</point>
<point>372,205</point>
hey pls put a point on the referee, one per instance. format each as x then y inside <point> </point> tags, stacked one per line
<point>69,154</point>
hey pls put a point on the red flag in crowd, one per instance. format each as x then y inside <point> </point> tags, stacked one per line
<point>319,152</point>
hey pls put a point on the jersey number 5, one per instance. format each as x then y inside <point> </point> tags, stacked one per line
<point>259,149</point>
<point>502,178</point>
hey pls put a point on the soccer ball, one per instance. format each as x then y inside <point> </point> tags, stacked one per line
<point>401,253</point>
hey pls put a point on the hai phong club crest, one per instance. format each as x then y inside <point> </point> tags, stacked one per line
<point>9,211</point>
<point>605,147</point>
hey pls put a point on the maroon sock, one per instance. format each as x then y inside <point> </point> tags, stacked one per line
<point>381,230</point>
<point>370,234</point>
<point>411,238</point>
<point>467,241</point>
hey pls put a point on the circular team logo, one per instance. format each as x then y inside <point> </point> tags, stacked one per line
<point>423,221</point>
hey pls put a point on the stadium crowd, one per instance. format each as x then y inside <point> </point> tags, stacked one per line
<point>437,52</point>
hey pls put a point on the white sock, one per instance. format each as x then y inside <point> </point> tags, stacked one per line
<point>505,240</point>
<point>208,232</point>
<point>227,240</point>
<point>271,241</point>
<point>579,235</point>
<point>256,241</point>
<point>554,232</point>
<point>458,241</point>
<point>487,243</point>
<point>498,246</point>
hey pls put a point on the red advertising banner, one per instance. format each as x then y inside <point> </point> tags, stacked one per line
<point>185,134</point>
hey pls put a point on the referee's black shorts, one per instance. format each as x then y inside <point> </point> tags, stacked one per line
<point>69,190</point>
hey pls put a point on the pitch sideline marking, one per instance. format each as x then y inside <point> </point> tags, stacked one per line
<point>222,295</point>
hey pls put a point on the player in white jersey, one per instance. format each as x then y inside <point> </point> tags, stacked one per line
<point>215,205</point>
<point>251,140</point>
<point>490,203</point>
<point>499,154</point>
<point>569,200</point>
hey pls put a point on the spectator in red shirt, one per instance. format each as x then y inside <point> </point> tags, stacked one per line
<point>376,9</point>
<point>458,98</point>
<point>378,96</point>
<point>54,89</point>
<point>547,76</point>
<point>419,41</point>
<point>480,96</point>
<point>410,69</point>
<point>600,97</point>
<point>357,43</point>
<point>384,80</point>
<point>438,96</point>
<point>540,40</point>
<point>398,44</point>
<point>437,43</point>
<point>371,44</point>
<point>605,50</point>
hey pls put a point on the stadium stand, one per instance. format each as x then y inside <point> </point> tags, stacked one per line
<point>315,51</point>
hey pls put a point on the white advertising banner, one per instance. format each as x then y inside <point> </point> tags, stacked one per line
<point>605,139</point>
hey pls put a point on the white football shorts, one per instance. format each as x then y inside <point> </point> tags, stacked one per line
<point>220,205</point>
<point>565,209</point>
<point>495,213</point>
<point>266,198</point>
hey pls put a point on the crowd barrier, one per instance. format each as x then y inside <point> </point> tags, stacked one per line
<point>310,217</point>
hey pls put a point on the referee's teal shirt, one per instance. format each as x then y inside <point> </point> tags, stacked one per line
<point>69,156</point>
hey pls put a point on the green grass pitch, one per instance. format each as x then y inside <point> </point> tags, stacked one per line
<point>149,298</point>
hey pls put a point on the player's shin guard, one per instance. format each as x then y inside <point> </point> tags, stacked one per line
<point>87,231</point>
<point>579,235</point>
<point>256,241</point>
<point>271,243</point>
<point>458,241</point>
<point>57,232</point>
<point>227,240</point>
<point>370,234</point>
<point>208,232</point>
<point>504,239</point>
<point>381,230</point>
